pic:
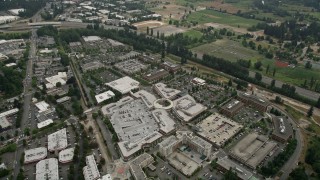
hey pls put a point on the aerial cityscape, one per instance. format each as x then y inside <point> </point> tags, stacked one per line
<point>159,90</point>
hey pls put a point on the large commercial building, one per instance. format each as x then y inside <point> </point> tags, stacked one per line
<point>282,129</point>
<point>186,108</point>
<point>256,102</point>
<point>169,145</point>
<point>58,140</point>
<point>34,155</point>
<point>137,165</point>
<point>156,75</point>
<point>104,96</point>
<point>124,85</point>
<point>218,129</point>
<point>185,151</point>
<point>47,169</point>
<point>232,107</point>
<point>90,171</point>
<point>52,81</point>
<point>225,164</point>
<point>131,66</point>
<point>252,149</point>
<point>171,67</point>
<point>137,123</point>
<point>165,92</point>
<point>4,123</point>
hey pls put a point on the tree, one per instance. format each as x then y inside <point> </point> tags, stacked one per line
<point>58,84</point>
<point>273,83</point>
<point>147,30</point>
<point>258,76</point>
<point>308,65</point>
<point>318,103</point>
<point>90,129</point>
<point>298,174</point>
<point>278,100</point>
<point>310,112</point>
<point>230,175</point>
<point>258,65</point>
<point>151,33</point>
<point>274,72</point>
<point>267,69</point>
<point>230,82</point>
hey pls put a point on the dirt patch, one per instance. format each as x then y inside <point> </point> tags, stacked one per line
<point>168,30</point>
<point>304,123</point>
<point>150,24</point>
<point>175,11</point>
<point>221,26</point>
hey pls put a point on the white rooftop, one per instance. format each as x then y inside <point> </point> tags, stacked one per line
<point>36,154</point>
<point>16,11</point>
<point>53,80</point>
<point>47,169</point>
<point>58,140</point>
<point>104,96</point>
<point>11,64</point>
<point>124,85</point>
<point>147,97</point>
<point>91,38</point>
<point>66,155</point>
<point>187,108</point>
<point>10,112</point>
<point>90,171</point>
<point>4,123</point>
<point>198,81</point>
<point>165,122</point>
<point>42,106</point>
<point>166,92</point>
<point>44,123</point>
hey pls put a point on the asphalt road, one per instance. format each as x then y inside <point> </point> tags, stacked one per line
<point>301,91</point>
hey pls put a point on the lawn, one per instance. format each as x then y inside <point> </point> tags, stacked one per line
<point>193,33</point>
<point>227,49</point>
<point>295,76</point>
<point>207,16</point>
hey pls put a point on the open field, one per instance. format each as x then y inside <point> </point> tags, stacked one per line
<point>207,16</point>
<point>168,30</point>
<point>176,11</point>
<point>142,26</point>
<point>295,76</point>
<point>227,49</point>
<point>193,33</point>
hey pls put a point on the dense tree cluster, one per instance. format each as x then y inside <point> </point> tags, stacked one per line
<point>313,154</point>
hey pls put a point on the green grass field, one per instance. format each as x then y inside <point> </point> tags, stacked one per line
<point>228,49</point>
<point>193,33</point>
<point>207,16</point>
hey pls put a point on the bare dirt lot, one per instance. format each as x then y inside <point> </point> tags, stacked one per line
<point>142,26</point>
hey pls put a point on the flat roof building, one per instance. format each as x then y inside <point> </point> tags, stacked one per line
<point>4,123</point>
<point>91,38</point>
<point>282,129</point>
<point>34,155</point>
<point>147,97</point>
<point>218,129</point>
<point>61,78</point>
<point>137,165</point>
<point>256,102</point>
<point>166,123</point>
<point>90,171</point>
<point>171,67</point>
<point>104,96</point>
<point>57,141</point>
<point>63,99</point>
<point>165,91</point>
<point>198,81</point>
<point>124,85</point>
<point>252,149</point>
<point>232,107</point>
<point>47,169</point>
<point>44,123</point>
<point>42,106</point>
<point>131,66</point>
<point>156,75</point>
<point>225,164</point>
<point>186,108</point>
<point>66,155</point>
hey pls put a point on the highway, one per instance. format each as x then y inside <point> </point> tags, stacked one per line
<point>301,91</point>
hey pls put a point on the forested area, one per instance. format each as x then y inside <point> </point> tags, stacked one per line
<point>30,6</point>
<point>313,154</point>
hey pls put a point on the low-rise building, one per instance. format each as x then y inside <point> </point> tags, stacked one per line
<point>66,155</point>
<point>104,96</point>
<point>47,169</point>
<point>137,165</point>
<point>63,99</point>
<point>232,107</point>
<point>58,140</point>
<point>124,85</point>
<point>156,75</point>
<point>225,164</point>
<point>90,171</point>
<point>171,67</point>
<point>282,129</point>
<point>34,155</point>
<point>44,123</point>
<point>198,81</point>
<point>256,102</point>
<point>166,92</point>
